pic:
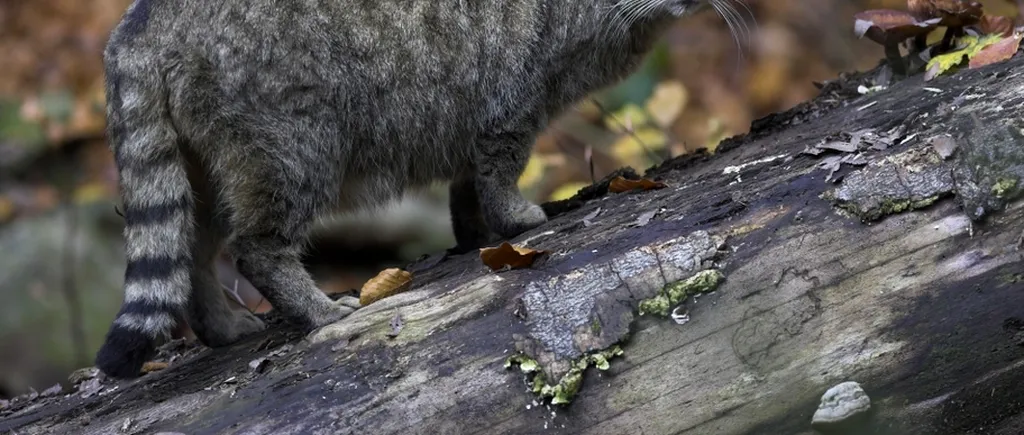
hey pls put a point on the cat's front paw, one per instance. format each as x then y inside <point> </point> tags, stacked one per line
<point>340,309</point>
<point>523,218</point>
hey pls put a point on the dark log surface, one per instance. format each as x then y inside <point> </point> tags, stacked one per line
<point>922,303</point>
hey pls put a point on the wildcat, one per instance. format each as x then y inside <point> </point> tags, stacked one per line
<point>235,123</point>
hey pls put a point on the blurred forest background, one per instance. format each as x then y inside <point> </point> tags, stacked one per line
<point>61,254</point>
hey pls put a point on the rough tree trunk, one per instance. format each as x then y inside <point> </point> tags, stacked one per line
<point>904,274</point>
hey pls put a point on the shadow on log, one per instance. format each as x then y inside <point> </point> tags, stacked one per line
<point>873,238</point>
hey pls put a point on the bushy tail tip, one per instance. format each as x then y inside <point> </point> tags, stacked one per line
<point>124,352</point>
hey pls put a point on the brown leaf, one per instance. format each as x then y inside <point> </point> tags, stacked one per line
<point>506,255</point>
<point>996,25</point>
<point>387,283</point>
<point>953,13</point>
<point>153,366</point>
<point>619,185</point>
<point>886,26</point>
<point>997,52</point>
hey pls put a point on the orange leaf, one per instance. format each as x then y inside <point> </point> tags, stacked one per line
<point>506,255</point>
<point>153,366</point>
<point>997,52</point>
<point>6,209</point>
<point>619,185</point>
<point>388,282</point>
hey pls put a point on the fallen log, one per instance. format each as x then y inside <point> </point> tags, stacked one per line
<point>872,238</point>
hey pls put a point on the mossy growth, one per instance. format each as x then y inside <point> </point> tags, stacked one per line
<point>894,206</point>
<point>1005,188</point>
<point>886,207</point>
<point>562,392</point>
<point>675,293</point>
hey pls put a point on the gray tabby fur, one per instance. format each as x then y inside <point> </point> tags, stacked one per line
<point>234,123</point>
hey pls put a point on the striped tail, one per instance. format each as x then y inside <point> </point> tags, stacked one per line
<point>158,213</point>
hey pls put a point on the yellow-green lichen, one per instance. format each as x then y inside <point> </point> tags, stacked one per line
<point>1005,188</point>
<point>893,206</point>
<point>676,292</point>
<point>566,388</point>
<point>886,207</point>
<point>526,364</point>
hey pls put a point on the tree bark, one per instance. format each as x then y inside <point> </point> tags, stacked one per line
<point>901,270</point>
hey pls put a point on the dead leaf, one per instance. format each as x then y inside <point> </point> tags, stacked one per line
<point>506,255</point>
<point>970,47</point>
<point>845,147</point>
<point>387,283</point>
<point>833,163</point>
<point>830,164</point>
<point>619,185</point>
<point>996,53</point>
<point>996,24</point>
<point>153,366</point>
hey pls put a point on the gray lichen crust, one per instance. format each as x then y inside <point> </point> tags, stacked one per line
<point>591,308</point>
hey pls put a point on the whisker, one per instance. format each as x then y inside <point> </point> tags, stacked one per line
<point>729,16</point>
<point>750,13</point>
<point>739,19</point>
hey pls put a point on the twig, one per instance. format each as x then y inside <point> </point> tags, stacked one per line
<point>70,288</point>
<point>629,130</point>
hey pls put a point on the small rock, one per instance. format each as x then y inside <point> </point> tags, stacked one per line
<point>944,145</point>
<point>841,406</point>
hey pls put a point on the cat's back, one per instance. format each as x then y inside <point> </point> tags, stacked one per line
<point>397,32</point>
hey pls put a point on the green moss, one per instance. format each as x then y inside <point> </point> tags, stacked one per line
<point>539,382</point>
<point>595,326</point>
<point>888,206</point>
<point>1005,188</point>
<point>600,359</point>
<point>675,293</point>
<point>600,362</point>
<point>526,364</point>
<point>658,305</point>
<point>1011,278</point>
<point>565,389</point>
<point>893,206</point>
